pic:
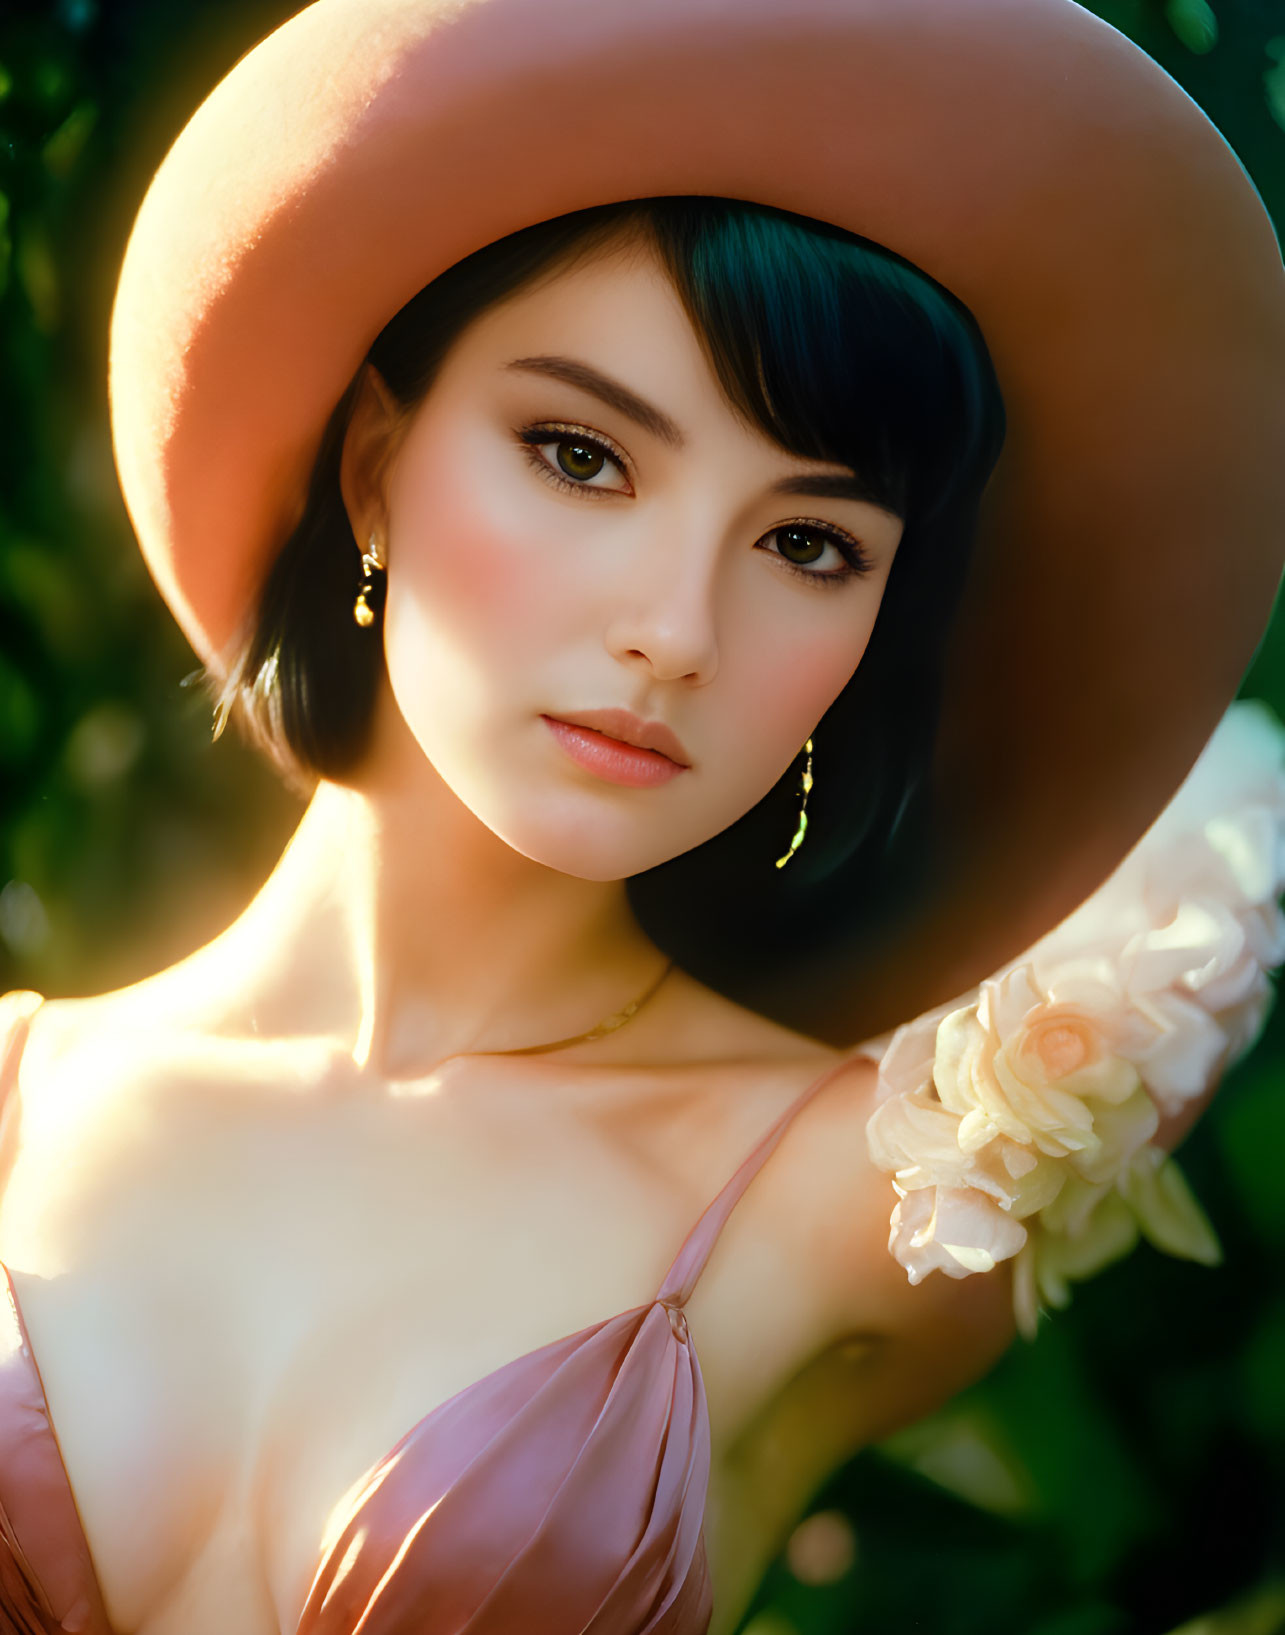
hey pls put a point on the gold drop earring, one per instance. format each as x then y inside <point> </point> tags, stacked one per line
<point>803,810</point>
<point>361,609</point>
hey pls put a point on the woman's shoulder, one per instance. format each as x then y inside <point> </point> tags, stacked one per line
<point>822,1192</point>
<point>133,1041</point>
<point>104,1103</point>
<point>93,1047</point>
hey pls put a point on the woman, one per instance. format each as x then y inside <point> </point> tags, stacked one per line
<point>417,1038</point>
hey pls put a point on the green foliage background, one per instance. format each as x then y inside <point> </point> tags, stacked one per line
<point>1124,1473</point>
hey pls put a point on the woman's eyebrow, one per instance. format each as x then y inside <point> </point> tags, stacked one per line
<point>847,485</point>
<point>608,391</point>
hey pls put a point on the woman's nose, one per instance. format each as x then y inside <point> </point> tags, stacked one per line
<point>665,618</point>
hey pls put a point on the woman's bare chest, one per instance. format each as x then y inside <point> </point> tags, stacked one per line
<point>312,1278</point>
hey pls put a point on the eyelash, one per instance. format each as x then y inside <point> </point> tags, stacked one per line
<point>532,438</point>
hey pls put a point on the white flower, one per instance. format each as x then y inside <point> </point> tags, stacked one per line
<point>1022,1094</point>
<point>1016,1120</point>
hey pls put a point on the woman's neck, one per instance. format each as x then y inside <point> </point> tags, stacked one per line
<point>396,921</point>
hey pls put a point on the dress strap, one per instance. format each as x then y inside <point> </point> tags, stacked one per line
<point>689,1262</point>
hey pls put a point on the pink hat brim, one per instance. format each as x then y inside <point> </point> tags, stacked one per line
<point>1029,157</point>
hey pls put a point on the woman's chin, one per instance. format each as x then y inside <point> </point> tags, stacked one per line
<point>589,852</point>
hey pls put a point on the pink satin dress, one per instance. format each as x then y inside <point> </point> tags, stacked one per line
<point>563,1493</point>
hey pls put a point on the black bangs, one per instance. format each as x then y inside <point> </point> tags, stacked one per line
<point>836,349</point>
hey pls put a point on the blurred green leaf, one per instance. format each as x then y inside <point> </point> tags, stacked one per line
<point>64,147</point>
<point>1262,1373</point>
<point>20,716</point>
<point>38,273</point>
<point>1194,23</point>
<point>1274,82</point>
<point>1049,1409</point>
<point>51,81</point>
<point>1261,1613</point>
<point>1251,1131</point>
<point>963,1449</point>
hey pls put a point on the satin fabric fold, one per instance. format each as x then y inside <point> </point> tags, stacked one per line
<point>571,1480</point>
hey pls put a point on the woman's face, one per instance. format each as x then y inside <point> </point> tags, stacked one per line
<point>576,521</point>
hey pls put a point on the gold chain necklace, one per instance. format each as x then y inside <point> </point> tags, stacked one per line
<point>609,1024</point>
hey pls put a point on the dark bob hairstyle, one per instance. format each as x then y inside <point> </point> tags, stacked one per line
<point>836,349</point>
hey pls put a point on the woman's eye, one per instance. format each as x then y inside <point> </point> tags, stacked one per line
<point>803,546</point>
<point>572,460</point>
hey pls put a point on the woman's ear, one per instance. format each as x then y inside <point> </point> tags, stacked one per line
<point>374,429</point>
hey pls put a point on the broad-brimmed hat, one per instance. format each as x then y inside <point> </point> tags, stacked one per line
<point>1026,155</point>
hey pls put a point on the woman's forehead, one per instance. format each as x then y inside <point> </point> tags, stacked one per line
<point>619,300</point>
<point>612,327</point>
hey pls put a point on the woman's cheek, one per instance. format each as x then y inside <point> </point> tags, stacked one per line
<point>789,687</point>
<point>475,562</point>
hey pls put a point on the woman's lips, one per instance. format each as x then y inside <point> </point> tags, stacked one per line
<point>610,759</point>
